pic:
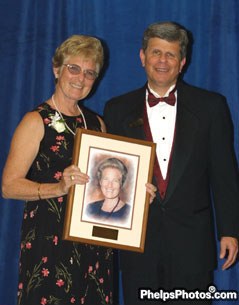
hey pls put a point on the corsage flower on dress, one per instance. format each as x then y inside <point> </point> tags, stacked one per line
<point>57,122</point>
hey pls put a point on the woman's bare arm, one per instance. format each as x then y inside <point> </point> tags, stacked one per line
<point>23,150</point>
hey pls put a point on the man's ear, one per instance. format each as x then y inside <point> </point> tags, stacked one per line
<point>142,57</point>
<point>183,62</point>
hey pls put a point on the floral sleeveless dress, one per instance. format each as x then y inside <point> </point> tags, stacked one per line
<point>51,270</point>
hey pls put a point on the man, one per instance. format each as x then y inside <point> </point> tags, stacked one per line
<point>195,159</point>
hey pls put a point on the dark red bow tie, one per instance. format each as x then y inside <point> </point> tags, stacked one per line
<point>171,99</point>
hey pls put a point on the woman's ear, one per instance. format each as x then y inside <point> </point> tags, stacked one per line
<point>56,72</point>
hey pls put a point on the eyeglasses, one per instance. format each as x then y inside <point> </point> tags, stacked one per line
<point>76,70</point>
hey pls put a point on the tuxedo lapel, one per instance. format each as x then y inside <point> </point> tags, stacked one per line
<point>133,122</point>
<point>185,136</point>
<point>135,129</point>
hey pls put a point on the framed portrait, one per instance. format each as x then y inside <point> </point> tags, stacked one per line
<point>112,208</point>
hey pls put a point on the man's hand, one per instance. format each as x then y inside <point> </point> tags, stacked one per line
<point>151,189</point>
<point>229,247</point>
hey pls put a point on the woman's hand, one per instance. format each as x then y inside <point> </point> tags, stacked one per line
<point>151,189</point>
<point>72,175</point>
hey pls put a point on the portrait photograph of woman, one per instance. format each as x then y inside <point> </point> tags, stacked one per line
<point>109,196</point>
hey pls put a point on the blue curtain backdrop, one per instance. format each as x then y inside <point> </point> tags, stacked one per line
<point>32,29</point>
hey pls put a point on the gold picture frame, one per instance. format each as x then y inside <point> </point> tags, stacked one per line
<point>91,148</point>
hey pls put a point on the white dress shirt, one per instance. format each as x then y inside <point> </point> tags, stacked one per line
<point>162,119</point>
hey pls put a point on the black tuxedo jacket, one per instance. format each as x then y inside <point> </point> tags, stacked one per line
<point>180,228</point>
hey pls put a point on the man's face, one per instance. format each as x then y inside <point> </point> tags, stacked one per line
<point>162,63</point>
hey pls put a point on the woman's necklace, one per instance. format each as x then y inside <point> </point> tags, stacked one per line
<point>83,117</point>
<point>112,211</point>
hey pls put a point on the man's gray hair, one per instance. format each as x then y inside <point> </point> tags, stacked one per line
<point>169,31</point>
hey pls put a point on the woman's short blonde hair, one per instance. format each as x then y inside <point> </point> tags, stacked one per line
<point>80,45</point>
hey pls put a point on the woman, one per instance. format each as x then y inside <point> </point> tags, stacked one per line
<point>111,175</point>
<point>38,170</point>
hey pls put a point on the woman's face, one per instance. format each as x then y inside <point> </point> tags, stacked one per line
<point>74,87</point>
<point>110,182</point>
